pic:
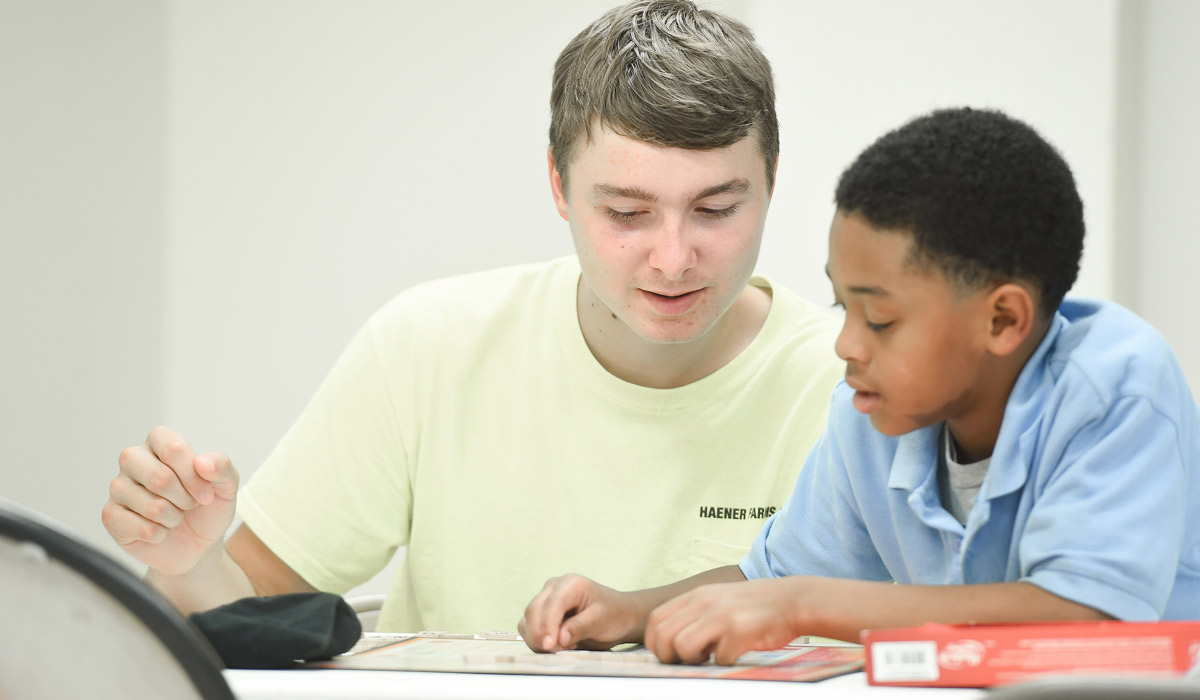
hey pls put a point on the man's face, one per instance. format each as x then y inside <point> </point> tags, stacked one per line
<point>910,340</point>
<point>667,237</point>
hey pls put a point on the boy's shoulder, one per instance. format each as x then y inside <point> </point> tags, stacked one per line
<point>1099,362</point>
<point>1100,321</point>
<point>1110,349</point>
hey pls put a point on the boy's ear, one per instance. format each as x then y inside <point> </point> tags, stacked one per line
<point>1012,315</point>
<point>556,185</point>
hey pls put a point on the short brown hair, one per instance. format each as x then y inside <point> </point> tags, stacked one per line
<point>667,73</point>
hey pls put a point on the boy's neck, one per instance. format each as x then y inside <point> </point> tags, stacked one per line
<point>975,435</point>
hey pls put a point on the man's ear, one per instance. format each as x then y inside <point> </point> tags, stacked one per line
<point>556,185</point>
<point>774,177</point>
<point>1012,316</point>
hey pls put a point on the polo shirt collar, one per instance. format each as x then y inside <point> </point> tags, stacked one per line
<point>1022,416</point>
<point>915,461</point>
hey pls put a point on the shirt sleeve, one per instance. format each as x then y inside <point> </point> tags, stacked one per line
<point>334,498</point>
<point>820,530</point>
<point>1106,526</point>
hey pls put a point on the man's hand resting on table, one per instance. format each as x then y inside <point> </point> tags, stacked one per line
<point>574,612</point>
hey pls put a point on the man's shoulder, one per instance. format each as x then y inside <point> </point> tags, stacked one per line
<point>482,293</point>
<point>513,278</point>
<point>798,315</point>
<point>478,310</point>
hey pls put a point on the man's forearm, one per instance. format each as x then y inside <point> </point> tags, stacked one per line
<point>216,581</point>
<point>650,598</point>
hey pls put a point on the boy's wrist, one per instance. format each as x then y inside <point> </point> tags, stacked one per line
<point>802,615</point>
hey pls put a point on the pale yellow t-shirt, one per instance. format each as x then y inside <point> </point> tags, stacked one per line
<point>469,421</point>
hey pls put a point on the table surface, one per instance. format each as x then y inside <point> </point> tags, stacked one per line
<point>369,685</point>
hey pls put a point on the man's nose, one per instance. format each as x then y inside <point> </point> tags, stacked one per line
<point>673,251</point>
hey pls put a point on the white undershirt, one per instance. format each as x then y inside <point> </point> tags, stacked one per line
<point>958,484</point>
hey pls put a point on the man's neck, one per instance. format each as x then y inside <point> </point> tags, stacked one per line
<point>634,359</point>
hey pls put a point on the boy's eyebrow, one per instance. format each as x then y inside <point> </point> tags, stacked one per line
<point>860,289</point>
<point>737,185</point>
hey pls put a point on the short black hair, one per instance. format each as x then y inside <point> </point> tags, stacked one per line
<point>984,197</point>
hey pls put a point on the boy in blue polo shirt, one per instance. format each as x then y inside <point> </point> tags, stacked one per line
<point>995,454</point>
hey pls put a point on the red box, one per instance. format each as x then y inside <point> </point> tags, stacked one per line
<point>976,656</point>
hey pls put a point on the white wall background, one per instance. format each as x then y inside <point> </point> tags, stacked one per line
<point>83,235</point>
<point>200,201</point>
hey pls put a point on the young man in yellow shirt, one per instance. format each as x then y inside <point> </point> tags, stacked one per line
<point>635,411</point>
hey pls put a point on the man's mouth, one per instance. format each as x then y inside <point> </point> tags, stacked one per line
<point>672,304</point>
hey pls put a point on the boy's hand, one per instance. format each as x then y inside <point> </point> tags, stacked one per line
<point>574,612</point>
<point>725,620</point>
<point>169,507</point>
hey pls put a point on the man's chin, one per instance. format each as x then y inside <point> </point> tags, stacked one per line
<point>671,333</point>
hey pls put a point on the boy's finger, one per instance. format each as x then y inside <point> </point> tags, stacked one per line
<point>664,625</point>
<point>728,649</point>
<point>695,641</point>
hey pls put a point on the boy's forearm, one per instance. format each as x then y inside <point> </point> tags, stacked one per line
<point>841,608</point>
<point>650,598</point>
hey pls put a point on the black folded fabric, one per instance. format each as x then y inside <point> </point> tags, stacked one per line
<point>276,631</point>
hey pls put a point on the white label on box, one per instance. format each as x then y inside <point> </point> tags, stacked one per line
<point>904,661</point>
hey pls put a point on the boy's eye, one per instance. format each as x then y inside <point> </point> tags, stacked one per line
<point>876,327</point>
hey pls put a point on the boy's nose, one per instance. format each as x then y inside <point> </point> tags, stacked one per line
<point>849,347</point>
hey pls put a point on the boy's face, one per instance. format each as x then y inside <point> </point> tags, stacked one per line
<point>667,237</point>
<point>911,341</point>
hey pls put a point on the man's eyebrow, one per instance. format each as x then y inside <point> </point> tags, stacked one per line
<point>603,191</point>
<point>737,185</point>
<point>862,289</point>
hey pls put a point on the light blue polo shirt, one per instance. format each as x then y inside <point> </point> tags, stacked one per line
<point>1093,491</point>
